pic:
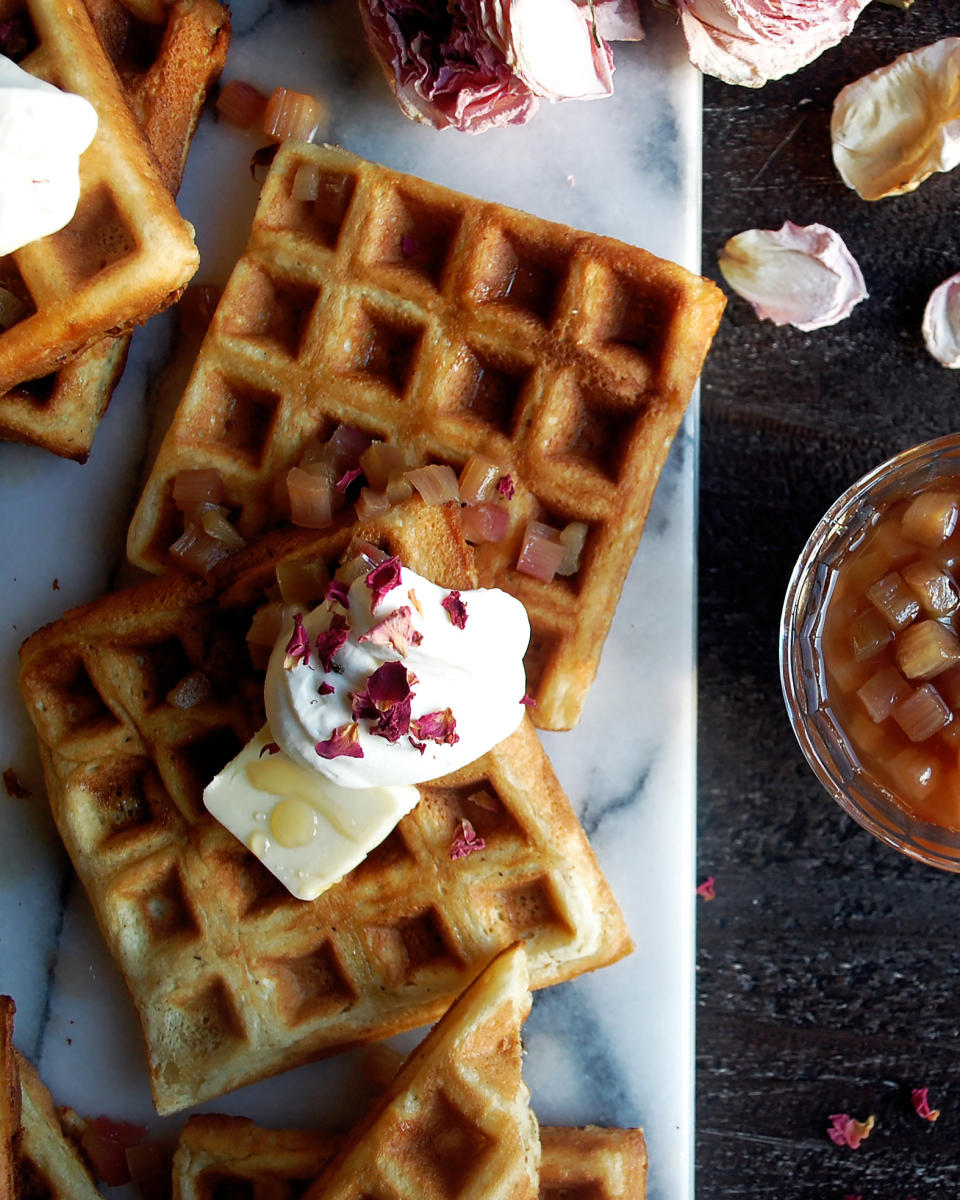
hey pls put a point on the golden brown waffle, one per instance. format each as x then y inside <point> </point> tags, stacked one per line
<point>37,1160</point>
<point>223,1158</point>
<point>168,56</point>
<point>456,1118</point>
<point>127,253</point>
<point>233,978</point>
<point>449,326</point>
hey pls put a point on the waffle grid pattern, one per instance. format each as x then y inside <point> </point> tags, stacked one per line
<point>447,325</point>
<point>231,1158</point>
<point>232,977</point>
<point>188,43</point>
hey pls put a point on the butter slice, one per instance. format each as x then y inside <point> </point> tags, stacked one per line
<point>306,830</point>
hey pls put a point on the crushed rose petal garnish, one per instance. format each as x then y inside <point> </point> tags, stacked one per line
<point>918,1097</point>
<point>343,743</point>
<point>332,640</point>
<point>270,748</point>
<point>439,727</point>
<point>347,478</point>
<point>396,630</point>
<point>706,890</point>
<point>14,785</point>
<point>505,487</point>
<point>455,609</point>
<point>337,593</point>
<point>418,746</point>
<point>466,841</point>
<point>528,701</point>
<point>847,1131</point>
<point>383,579</point>
<point>325,689</point>
<point>298,648</point>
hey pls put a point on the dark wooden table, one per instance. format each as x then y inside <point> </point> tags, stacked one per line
<point>828,965</point>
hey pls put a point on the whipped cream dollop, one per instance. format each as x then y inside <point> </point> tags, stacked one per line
<point>43,132</point>
<point>396,680</point>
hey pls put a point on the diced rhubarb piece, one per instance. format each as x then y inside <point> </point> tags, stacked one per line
<point>883,692</point>
<point>930,518</point>
<point>541,551</point>
<point>216,521</point>
<point>869,634</point>
<point>311,498</point>
<point>894,600</point>
<point>934,588</point>
<point>478,480</point>
<point>926,649</point>
<point>381,461</point>
<point>436,483</point>
<point>914,773</point>
<point>371,504</point>
<point>241,104</point>
<point>292,115</point>
<point>306,182</point>
<point>303,582</point>
<point>923,713</point>
<point>573,538</point>
<point>484,523</point>
<point>197,551</point>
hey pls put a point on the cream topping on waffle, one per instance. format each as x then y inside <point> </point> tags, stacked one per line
<point>462,654</point>
<point>43,132</point>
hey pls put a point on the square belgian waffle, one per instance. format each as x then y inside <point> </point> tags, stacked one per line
<point>231,1158</point>
<point>449,326</point>
<point>126,254</point>
<point>167,55</point>
<point>234,979</point>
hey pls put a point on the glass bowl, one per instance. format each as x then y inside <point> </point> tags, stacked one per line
<point>824,742</point>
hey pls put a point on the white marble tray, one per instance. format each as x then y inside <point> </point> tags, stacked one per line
<point>612,1048</point>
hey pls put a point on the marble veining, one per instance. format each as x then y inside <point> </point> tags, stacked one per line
<point>615,1047</point>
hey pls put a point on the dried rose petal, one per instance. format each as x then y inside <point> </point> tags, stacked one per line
<point>706,889</point>
<point>418,746</point>
<point>751,41</point>
<point>846,1131</point>
<point>388,685</point>
<point>528,701</point>
<point>505,486</point>
<point>347,478</point>
<point>338,593</point>
<point>466,841</point>
<point>270,748</point>
<point>332,640</point>
<point>800,275</point>
<point>440,727</point>
<point>396,630</point>
<point>896,126</point>
<point>382,579</point>
<point>941,322</point>
<point>386,700</point>
<point>918,1097</point>
<point>344,742</point>
<point>455,609</point>
<point>616,20</point>
<point>325,689</point>
<point>298,648</point>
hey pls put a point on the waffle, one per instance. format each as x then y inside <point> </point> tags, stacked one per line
<point>450,326</point>
<point>233,978</point>
<point>126,254</point>
<point>456,1118</point>
<point>223,1158</point>
<point>167,60</point>
<point>37,1160</point>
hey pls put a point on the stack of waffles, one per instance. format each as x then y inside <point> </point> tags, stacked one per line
<point>146,66</point>
<point>446,326</point>
<point>233,978</point>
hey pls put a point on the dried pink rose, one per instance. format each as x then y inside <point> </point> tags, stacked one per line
<point>918,1097</point>
<point>847,1131</point>
<point>455,609</point>
<point>440,727</point>
<point>382,579</point>
<point>298,648</point>
<point>466,841</point>
<point>396,630</point>
<point>800,275</point>
<point>752,41</point>
<point>475,64</point>
<point>941,322</point>
<point>344,742</point>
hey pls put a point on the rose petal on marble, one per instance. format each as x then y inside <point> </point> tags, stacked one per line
<point>801,275</point>
<point>893,128</point>
<point>749,42</point>
<point>941,322</point>
<point>617,20</point>
<point>550,45</point>
<point>848,1131</point>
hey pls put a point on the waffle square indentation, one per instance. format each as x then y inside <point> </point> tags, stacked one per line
<point>410,945</point>
<point>590,430</point>
<point>196,762</point>
<point>162,666</point>
<point>380,345</point>
<point>530,907</point>
<point>478,802</point>
<point>320,218</point>
<point>450,1145</point>
<point>310,986</point>
<point>18,304</point>
<point>272,310</point>
<point>414,235</point>
<point>72,700</point>
<point>38,392</point>
<point>242,416</point>
<point>487,388</point>
<point>520,274</point>
<point>631,322</point>
<point>208,1024</point>
<point>166,910</point>
<point>126,798</point>
<point>97,236</point>
<point>18,35</point>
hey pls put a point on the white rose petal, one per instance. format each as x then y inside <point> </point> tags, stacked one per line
<point>941,322</point>
<point>895,127</point>
<point>549,45</point>
<point>617,20</point>
<point>796,275</point>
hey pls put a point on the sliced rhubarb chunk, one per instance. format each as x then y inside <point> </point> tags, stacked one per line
<point>926,649</point>
<point>930,518</point>
<point>921,715</point>
<point>894,600</point>
<point>883,692</point>
<point>934,588</point>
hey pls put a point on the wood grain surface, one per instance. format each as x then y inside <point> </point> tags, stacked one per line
<point>828,965</point>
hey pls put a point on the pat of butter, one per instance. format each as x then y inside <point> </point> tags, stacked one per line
<point>307,831</point>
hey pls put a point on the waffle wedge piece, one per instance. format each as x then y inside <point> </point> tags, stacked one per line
<point>220,1158</point>
<point>232,977</point>
<point>168,54</point>
<point>456,1119</point>
<point>127,253</point>
<point>448,326</point>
